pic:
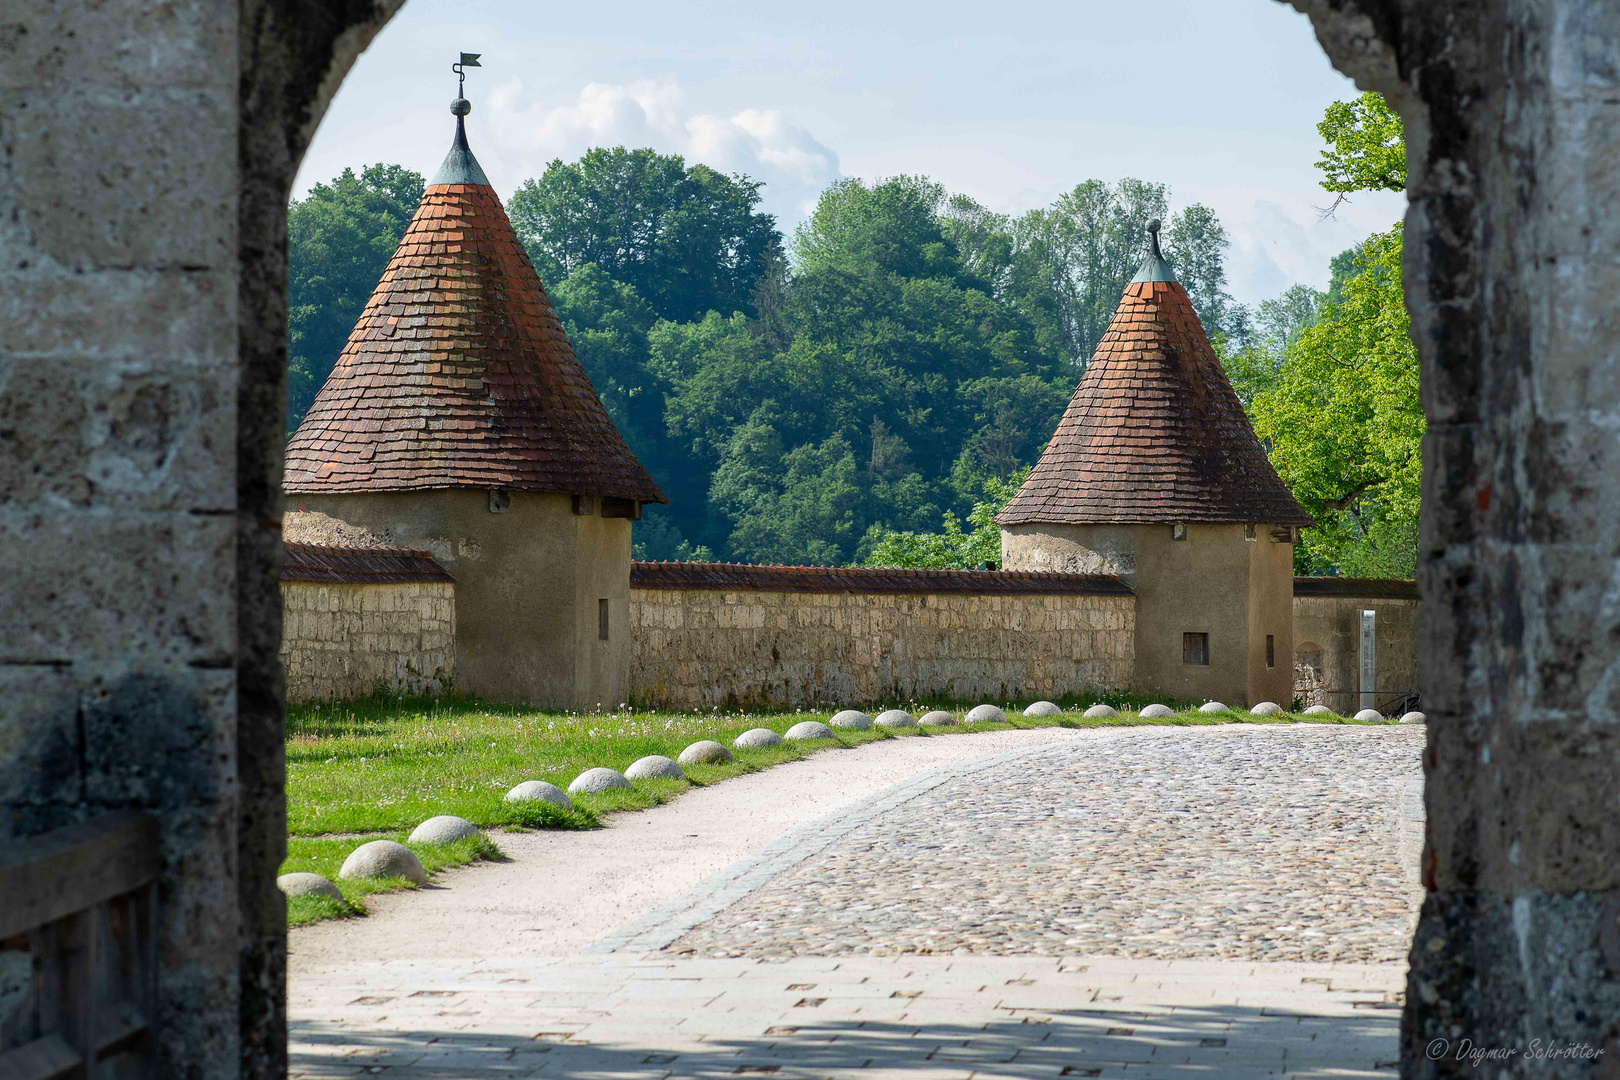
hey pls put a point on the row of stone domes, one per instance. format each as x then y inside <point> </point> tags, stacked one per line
<point>389,858</point>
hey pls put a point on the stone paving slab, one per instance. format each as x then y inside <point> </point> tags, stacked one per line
<point>858,1017</point>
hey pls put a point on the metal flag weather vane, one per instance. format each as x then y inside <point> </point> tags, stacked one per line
<point>468,59</point>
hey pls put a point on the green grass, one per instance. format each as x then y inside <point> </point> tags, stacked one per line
<point>324,855</point>
<point>381,766</point>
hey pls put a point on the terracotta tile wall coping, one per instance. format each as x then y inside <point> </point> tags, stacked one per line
<point>1370,588</point>
<point>865,579</point>
<point>360,566</point>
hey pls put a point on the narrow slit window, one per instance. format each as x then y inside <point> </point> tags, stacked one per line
<point>1195,649</point>
<point>1271,650</point>
<point>602,620</point>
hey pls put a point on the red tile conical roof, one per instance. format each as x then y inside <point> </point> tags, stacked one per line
<point>1154,433</point>
<point>458,373</point>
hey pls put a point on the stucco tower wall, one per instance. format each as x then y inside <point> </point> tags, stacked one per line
<point>522,633</point>
<point>1214,582</point>
<point>1271,614</point>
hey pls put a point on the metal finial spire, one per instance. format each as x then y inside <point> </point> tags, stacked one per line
<point>460,167</point>
<point>1154,267</point>
<point>461,106</point>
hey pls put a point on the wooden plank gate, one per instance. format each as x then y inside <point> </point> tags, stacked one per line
<point>78,951</point>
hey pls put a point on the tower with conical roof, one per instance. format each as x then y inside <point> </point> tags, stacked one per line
<point>1155,475</point>
<point>458,419</point>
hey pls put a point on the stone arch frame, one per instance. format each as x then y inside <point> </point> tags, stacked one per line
<point>1510,115</point>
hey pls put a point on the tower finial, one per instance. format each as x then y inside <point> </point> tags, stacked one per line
<point>460,167</point>
<point>1154,267</point>
<point>461,106</point>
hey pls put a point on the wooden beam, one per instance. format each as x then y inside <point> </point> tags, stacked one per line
<point>53,875</point>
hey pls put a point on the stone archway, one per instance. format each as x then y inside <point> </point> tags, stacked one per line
<point>140,457</point>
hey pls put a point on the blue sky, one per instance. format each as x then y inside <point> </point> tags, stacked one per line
<point>1012,103</point>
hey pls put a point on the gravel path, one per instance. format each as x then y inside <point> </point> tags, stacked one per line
<point>1255,843</point>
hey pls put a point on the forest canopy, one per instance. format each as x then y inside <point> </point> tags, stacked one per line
<point>872,388</point>
<point>798,398</point>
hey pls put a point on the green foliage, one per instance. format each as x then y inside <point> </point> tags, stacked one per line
<point>1346,426</point>
<point>952,547</point>
<point>1366,146</point>
<point>339,240</point>
<point>909,348</point>
<point>687,240</point>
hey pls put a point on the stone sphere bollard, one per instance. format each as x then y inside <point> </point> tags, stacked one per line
<point>1370,716</point>
<point>539,791</point>
<point>1156,712</point>
<point>707,752</point>
<point>654,767</point>
<point>756,739</point>
<point>597,780</point>
<point>384,858</point>
<point>937,718</point>
<point>1320,710</point>
<point>1267,708</point>
<point>808,731</point>
<point>1101,712</point>
<point>444,829</point>
<point>1414,718</point>
<point>1210,708</point>
<point>852,720</point>
<point>302,884</point>
<point>984,714</point>
<point>895,719</point>
<point>1043,708</point>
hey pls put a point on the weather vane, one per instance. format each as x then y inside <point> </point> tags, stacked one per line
<point>468,59</point>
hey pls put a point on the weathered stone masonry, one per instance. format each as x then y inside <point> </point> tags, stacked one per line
<point>358,621</point>
<point>706,635</point>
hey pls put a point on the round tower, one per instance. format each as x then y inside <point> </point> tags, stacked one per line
<point>458,419</point>
<point>1155,475</point>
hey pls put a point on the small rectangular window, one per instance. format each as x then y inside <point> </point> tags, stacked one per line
<point>1178,532</point>
<point>1250,532</point>
<point>1271,650</point>
<point>602,620</point>
<point>1195,649</point>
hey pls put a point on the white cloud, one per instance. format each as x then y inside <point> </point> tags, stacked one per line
<point>1274,246</point>
<point>762,143</point>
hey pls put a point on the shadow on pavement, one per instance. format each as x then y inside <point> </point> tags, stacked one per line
<point>1231,1043</point>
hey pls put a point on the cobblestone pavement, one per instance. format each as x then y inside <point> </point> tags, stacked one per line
<point>656,1017</point>
<point>1137,903</point>
<point>1239,842</point>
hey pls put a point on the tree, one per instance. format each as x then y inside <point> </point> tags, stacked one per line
<point>1346,427</point>
<point>1366,146</point>
<point>1343,416</point>
<point>339,240</point>
<point>688,240</point>
<point>952,547</point>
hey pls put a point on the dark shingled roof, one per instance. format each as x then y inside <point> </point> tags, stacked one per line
<point>1359,587</point>
<point>458,374</point>
<point>360,566</point>
<point>863,579</point>
<point>1154,433</point>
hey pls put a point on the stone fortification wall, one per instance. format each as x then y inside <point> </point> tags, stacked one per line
<point>708,634</point>
<point>1327,639</point>
<point>348,641</point>
<point>360,620</point>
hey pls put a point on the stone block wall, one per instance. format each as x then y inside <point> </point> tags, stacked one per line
<point>755,642</point>
<point>345,640</point>
<point>1327,639</point>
